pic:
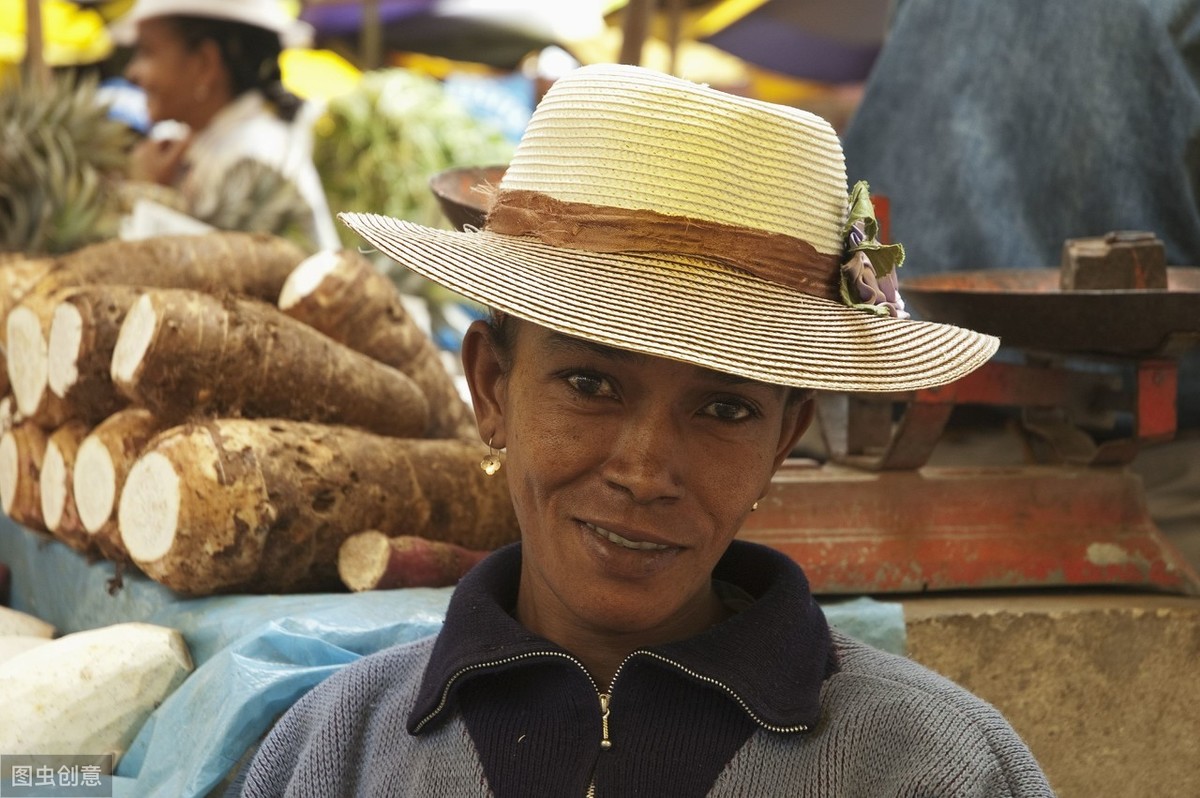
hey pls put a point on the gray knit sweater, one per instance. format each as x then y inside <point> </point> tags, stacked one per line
<point>501,712</point>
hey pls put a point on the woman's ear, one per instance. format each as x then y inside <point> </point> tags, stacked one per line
<point>211,74</point>
<point>484,372</point>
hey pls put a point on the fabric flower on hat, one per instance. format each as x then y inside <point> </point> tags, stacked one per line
<point>869,274</point>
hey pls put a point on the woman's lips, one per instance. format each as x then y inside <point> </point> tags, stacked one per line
<point>624,542</point>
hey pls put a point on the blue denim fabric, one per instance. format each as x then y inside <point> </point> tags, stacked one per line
<point>1000,128</point>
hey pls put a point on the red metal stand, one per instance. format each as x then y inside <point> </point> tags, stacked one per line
<point>877,519</point>
<point>857,531</point>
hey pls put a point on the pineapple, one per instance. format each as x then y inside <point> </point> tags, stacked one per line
<point>256,197</point>
<point>59,157</point>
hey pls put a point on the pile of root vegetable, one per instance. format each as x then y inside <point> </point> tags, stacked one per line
<point>229,415</point>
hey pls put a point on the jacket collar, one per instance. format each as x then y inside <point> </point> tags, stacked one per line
<point>774,655</point>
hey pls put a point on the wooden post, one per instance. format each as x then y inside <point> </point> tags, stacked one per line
<point>35,61</point>
<point>371,35</point>
<point>674,27</point>
<point>634,31</point>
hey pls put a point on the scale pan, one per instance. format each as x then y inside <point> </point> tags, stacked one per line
<point>455,192</point>
<point>1027,309</point>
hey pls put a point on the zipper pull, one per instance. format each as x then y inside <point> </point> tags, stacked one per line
<point>605,743</point>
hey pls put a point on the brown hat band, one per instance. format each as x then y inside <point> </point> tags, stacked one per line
<point>775,257</point>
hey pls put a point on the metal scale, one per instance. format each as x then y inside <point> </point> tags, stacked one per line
<point>1093,375</point>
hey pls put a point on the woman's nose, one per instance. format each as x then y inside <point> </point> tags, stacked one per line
<point>644,458</point>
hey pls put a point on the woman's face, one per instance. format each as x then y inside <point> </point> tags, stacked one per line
<point>630,476</point>
<point>168,71</point>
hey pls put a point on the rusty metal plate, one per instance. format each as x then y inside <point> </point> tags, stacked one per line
<point>1027,309</point>
<point>938,529</point>
<point>456,192</point>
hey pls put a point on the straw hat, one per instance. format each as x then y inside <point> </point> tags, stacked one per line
<point>267,14</point>
<point>656,215</point>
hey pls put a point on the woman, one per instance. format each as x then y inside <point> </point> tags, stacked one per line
<point>213,65</point>
<point>673,270</point>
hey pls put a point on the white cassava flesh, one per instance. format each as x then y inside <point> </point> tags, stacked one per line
<point>12,645</point>
<point>137,333</point>
<point>101,465</point>
<point>26,353</point>
<point>305,278</point>
<point>95,484</point>
<point>62,348</point>
<point>15,622</point>
<point>54,485</point>
<point>151,496</point>
<point>9,470</point>
<point>90,692</point>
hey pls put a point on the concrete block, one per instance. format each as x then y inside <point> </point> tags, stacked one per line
<point>1104,687</point>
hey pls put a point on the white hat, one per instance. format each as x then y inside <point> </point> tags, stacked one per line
<point>268,14</point>
<point>657,215</point>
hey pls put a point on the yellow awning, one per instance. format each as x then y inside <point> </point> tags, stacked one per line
<point>72,35</point>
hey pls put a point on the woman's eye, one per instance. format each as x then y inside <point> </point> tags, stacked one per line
<point>729,410</point>
<point>590,385</point>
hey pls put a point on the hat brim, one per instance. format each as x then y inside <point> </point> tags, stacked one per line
<point>685,309</point>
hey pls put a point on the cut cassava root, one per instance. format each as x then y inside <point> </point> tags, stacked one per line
<point>83,333</point>
<point>263,506</point>
<point>183,353</point>
<point>102,464</point>
<point>56,483</point>
<point>26,330</point>
<point>18,276</point>
<point>22,450</point>
<point>373,561</point>
<point>344,296</point>
<point>240,263</point>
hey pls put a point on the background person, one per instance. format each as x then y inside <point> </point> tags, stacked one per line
<point>213,65</point>
<point>664,300</point>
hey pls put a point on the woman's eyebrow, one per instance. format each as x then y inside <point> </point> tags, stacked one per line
<point>569,344</point>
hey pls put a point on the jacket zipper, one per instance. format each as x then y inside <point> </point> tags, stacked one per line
<point>493,663</point>
<point>604,743</point>
<point>605,698</point>
<point>800,727</point>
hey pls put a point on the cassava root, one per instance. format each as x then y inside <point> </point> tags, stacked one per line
<point>22,450</point>
<point>57,490</point>
<point>83,333</point>
<point>184,353</point>
<point>344,296</point>
<point>264,505</point>
<point>373,561</point>
<point>102,464</point>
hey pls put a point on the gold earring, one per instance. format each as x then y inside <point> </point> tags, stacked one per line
<point>491,463</point>
<point>754,507</point>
